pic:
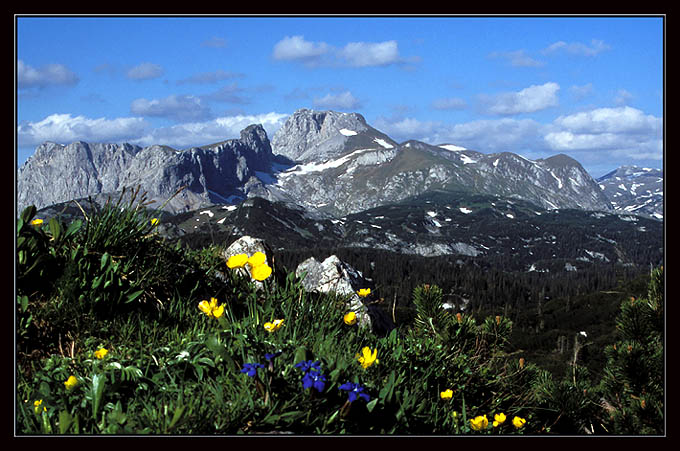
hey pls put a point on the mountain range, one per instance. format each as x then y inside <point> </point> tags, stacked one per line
<point>329,179</point>
<point>330,162</point>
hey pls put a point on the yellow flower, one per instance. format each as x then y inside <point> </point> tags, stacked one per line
<point>257,259</point>
<point>261,272</point>
<point>274,325</point>
<point>71,382</point>
<point>364,292</point>
<point>367,358</point>
<point>518,422</point>
<point>154,221</point>
<point>237,261</point>
<point>211,308</point>
<point>37,222</point>
<point>478,423</point>
<point>37,405</point>
<point>498,419</point>
<point>101,353</point>
<point>446,394</point>
<point>350,318</point>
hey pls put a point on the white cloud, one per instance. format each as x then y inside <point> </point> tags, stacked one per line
<point>528,100</point>
<point>64,128</point>
<point>622,131</point>
<point>353,54</point>
<point>178,108</point>
<point>578,48</point>
<point>293,48</point>
<point>344,100</point>
<point>145,71</point>
<point>50,74</point>
<point>364,54</point>
<point>181,136</point>
<point>624,120</point>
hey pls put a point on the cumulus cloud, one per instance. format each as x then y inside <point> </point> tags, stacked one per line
<point>596,47</point>
<point>364,54</point>
<point>624,130</point>
<point>528,100</point>
<point>353,54</point>
<point>145,71</point>
<point>48,75</point>
<point>344,100</point>
<point>65,128</point>
<point>293,48</point>
<point>174,107</point>
<point>182,136</point>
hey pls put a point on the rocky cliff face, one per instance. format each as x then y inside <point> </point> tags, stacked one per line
<point>213,174</point>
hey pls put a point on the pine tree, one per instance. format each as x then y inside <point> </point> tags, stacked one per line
<point>633,380</point>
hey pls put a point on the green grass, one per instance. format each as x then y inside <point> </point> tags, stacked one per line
<point>110,282</point>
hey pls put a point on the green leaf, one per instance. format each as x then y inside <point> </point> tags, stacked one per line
<point>371,405</point>
<point>65,421</point>
<point>133,296</point>
<point>106,258</point>
<point>98,384</point>
<point>55,229</point>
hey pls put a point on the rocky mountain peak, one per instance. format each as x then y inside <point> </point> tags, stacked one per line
<point>309,135</point>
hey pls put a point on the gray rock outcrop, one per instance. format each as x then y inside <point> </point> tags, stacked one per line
<point>334,275</point>
<point>217,173</point>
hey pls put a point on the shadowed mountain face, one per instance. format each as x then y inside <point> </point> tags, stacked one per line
<point>328,162</point>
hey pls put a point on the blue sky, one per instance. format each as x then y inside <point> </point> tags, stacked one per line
<point>588,87</point>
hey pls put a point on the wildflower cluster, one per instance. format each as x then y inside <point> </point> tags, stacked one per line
<point>481,422</point>
<point>211,309</point>
<point>259,270</point>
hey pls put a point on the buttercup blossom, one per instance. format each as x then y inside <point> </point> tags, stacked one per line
<point>237,261</point>
<point>101,353</point>
<point>273,326</point>
<point>154,221</point>
<point>70,382</point>
<point>211,308</point>
<point>37,404</point>
<point>261,272</point>
<point>366,358</point>
<point>37,222</point>
<point>518,422</point>
<point>350,318</point>
<point>479,422</point>
<point>257,259</point>
<point>498,419</point>
<point>364,292</point>
<point>446,394</point>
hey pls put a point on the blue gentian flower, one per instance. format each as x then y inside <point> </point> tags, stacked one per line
<point>251,368</point>
<point>308,365</point>
<point>314,379</point>
<point>355,390</point>
<point>270,356</point>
